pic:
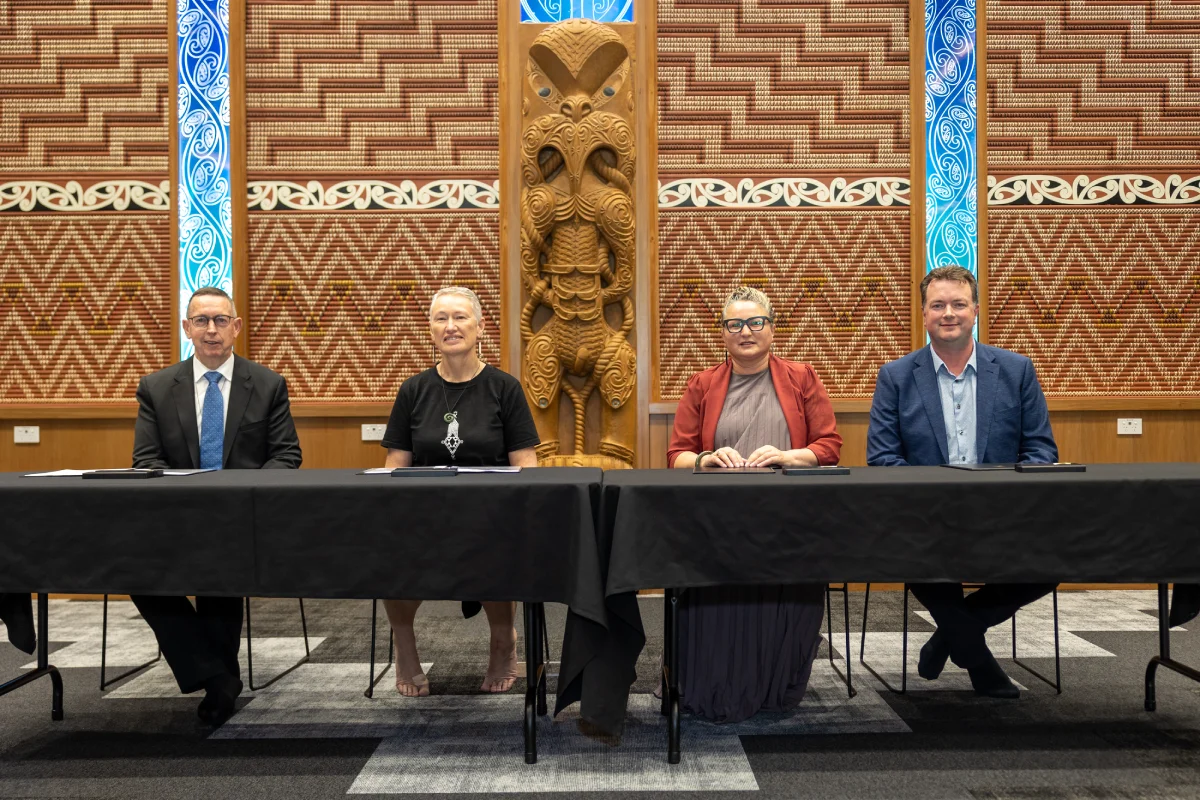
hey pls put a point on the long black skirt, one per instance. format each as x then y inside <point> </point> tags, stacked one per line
<point>745,649</point>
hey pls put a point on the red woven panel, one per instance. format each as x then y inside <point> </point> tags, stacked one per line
<point>340,301</point>
<point>761,87</point>
<point>1104,301</point>
<point>85,306</point>
<point>389,86</point>
<point>84,86</point>
<point>839,281</point>
<point>1089,84</point>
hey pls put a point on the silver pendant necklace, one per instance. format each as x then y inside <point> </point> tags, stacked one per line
<point>453,441</point>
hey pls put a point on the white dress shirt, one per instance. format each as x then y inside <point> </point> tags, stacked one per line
<point>958,407</point>
<point>199,370</point>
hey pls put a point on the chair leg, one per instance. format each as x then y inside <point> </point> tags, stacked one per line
<point>862,648</point>
<point>104,683</point>
<point>845,592</point>
<point>250,651</point>
<point>374,679</point>
<point>1056,684</point>
<point>904,646</point>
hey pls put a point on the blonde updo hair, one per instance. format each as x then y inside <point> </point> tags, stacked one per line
<point>459,291</point>
<point>753,295</point>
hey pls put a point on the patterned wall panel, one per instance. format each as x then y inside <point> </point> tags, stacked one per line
<point>1093,85</point>
<point>839,281</point>
<point>339,301</point>
<point>85,237</point>
<point>84,305</point>
<point>84,86</point>
<point>1105,301</point>
<point>391,86</point>
<point>758,87</point>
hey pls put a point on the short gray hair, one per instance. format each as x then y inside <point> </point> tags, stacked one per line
<point>753,295</point>
<point>459,291</point>
<point>210,291</point>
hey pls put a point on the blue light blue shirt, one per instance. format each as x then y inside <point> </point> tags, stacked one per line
<point>958,408</point>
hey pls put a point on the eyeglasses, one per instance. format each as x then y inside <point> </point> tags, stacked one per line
<point>220,320</point>
<point>754,323</point>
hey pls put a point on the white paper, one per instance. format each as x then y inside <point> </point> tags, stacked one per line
<point>489,469</point>
<point>178,473</point>
<point>59,473</point>
<point>377,471</point>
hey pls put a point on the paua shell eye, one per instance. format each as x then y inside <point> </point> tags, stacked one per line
<point>609,91</point>
<point>544,91</point>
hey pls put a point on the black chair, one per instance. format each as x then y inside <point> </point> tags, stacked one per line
<point>250,650</point>
<point>1056,684</point>
<point>844,591</point>
<point>104,684</point>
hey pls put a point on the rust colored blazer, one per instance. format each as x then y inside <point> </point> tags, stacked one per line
<point>801,394</point>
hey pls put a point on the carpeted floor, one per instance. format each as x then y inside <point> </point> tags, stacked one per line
<point>313,734</point>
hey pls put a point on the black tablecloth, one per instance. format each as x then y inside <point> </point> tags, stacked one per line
<point>190,535</point>
<point>310,533</point>
<point>673,529</point>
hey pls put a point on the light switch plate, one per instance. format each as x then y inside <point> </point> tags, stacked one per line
<point>1129,426</point>
<point>27,434</point>
<point>373,433</point>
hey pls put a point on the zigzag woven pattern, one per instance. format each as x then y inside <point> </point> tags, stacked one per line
<point>85,306</point>
<point>340,300</point>
<point>1104,301</point>
<point>399,86</point>
<point>1092,84</point>
<point>84,86</point>
<point>839,282</point>
<point>753,87</point>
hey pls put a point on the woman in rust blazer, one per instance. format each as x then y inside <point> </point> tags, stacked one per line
<point>745,649</point>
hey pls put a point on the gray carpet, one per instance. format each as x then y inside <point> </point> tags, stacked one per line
<point>313,734</point>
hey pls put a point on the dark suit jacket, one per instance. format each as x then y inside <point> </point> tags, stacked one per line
<point>1011,417</point>
<point>259,432</point>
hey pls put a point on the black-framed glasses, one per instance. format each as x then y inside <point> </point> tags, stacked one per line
<point>220,320</point>
<point>754,323</point>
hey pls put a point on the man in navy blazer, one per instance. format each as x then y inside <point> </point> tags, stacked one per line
<point>959,401</point>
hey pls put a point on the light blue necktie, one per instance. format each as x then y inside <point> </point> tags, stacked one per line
<point>212,424</point>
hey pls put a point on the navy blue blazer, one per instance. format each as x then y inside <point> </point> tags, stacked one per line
<point>1011,417</point>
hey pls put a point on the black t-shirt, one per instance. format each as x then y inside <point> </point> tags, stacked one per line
<point>472,424</point>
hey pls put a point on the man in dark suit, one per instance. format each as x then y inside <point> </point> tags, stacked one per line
<point>961,402</point>
<point>212,411</point>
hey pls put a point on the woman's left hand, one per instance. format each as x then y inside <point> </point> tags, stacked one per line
<point>767,456</point>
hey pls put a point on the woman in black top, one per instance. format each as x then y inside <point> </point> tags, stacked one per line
<point>467,413</point>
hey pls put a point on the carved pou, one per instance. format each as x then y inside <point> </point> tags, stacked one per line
<point>577,238</point>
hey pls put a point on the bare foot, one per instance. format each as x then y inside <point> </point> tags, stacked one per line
<point>409,663</point>
<point>502,664</point>
<point>417,686</point>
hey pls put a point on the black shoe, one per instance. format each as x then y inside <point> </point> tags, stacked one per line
<point>221,692</point>
<point>933,656</point>
<point>990,680</point>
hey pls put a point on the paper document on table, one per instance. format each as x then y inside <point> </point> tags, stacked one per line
<point>58,473</point>
<point>489,469</point>
<point>179,473</point>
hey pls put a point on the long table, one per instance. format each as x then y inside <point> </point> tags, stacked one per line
<point>589,541</point>
<point>528,536</point>
<point>1118,523</point>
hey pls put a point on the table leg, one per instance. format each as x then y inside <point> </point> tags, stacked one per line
<point>43,663</point>
<point>671,664</point>
<point>532,675</point>
<point>543,679</point>
<point>1163,658</point>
